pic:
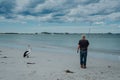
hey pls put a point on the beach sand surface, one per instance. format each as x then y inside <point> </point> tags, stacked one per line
<point>53,66</point>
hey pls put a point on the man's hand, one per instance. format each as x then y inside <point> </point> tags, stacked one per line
<point>77,50</point>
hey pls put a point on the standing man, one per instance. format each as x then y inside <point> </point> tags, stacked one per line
<point>83,45</point>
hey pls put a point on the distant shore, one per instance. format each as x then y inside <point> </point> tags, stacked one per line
<point>61,33</point>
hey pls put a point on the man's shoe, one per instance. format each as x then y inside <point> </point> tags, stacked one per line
<point>81,66</point>
<point>84,67</point>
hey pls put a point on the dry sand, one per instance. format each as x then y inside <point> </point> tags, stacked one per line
<point>53,66</point>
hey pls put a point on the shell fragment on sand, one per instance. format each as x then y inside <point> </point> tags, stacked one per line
<point>68,71</point>
<point>4,57</point>
<point>30,63</point>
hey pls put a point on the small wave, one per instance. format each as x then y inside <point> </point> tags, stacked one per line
<point>105,51</point>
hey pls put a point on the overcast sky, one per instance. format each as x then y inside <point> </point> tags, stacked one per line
<point>74,16</point>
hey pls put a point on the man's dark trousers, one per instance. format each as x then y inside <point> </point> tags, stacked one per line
<point>83,57</point>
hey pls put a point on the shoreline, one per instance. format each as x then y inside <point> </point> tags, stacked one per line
<point>94,54</point>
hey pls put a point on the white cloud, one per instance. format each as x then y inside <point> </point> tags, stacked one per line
<point>45,18</point>
<point>99,23</point>
<point>49,4</point>
<point>118,26</point>
<point>95,11</point>
<point>34,18</point>
<point>21,5</point>
<point>114,16</point>
<point>2,18</point>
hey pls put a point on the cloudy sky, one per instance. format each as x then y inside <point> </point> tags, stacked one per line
<point>75,16</point>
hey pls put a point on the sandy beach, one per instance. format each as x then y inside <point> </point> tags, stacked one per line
<point>54,66</point>
<point>52,31</point>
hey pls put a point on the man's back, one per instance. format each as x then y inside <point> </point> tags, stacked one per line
<point>83,44</point>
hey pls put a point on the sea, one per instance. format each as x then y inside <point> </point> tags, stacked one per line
<point>101,45</point>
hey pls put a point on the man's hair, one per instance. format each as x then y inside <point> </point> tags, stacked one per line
<point>83,36</point>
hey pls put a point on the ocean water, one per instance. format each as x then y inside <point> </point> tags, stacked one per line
<point>62,43</point>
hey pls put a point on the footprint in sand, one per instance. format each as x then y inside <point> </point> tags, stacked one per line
<point>1,78</point>
<point>4,62</point>
<point>32,73</point>
<point>4,57</point>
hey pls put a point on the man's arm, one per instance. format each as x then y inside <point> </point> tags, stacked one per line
<point>78,48</point>
<point>88,42</point>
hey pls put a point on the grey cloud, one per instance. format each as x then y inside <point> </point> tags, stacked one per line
<point>34,3</point>
<point>62,10</point>
<point>6,8</point>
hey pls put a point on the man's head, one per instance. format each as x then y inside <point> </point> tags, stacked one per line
<point>83,37</point>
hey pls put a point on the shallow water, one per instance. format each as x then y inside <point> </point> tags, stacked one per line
<point>60,43</point>
<point>108,43</point>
